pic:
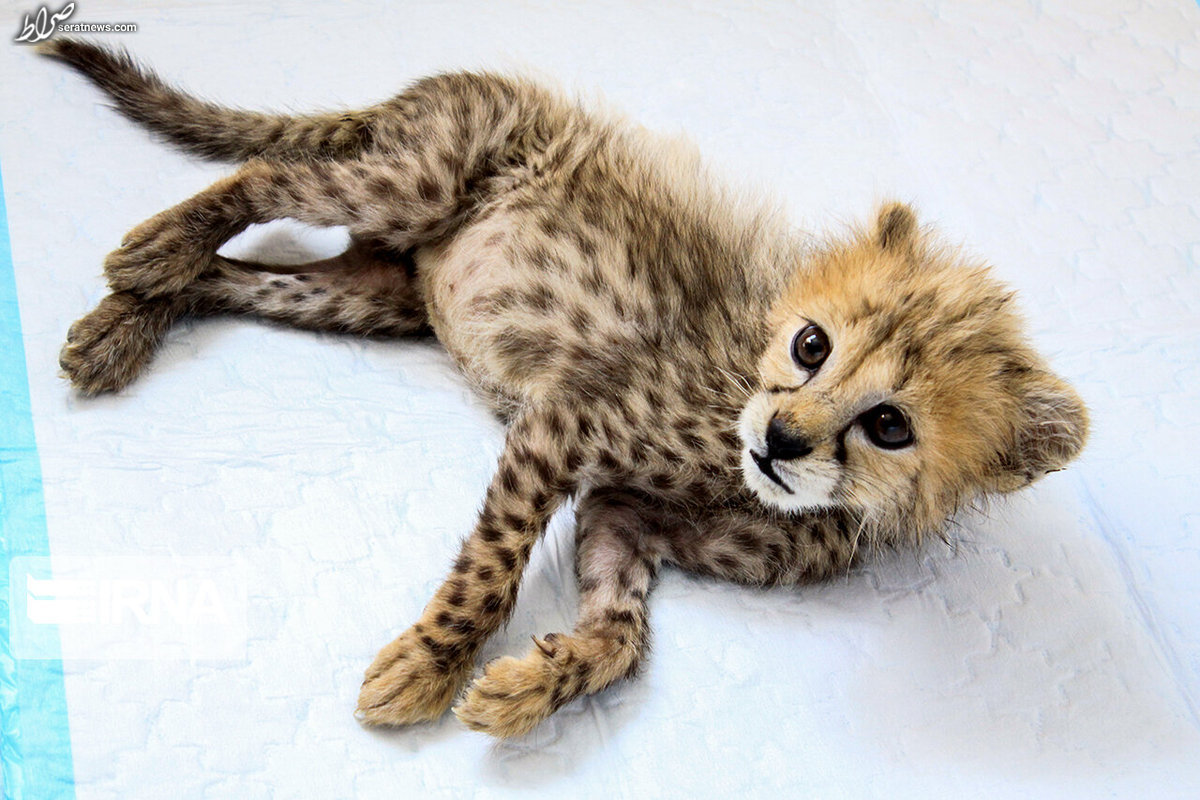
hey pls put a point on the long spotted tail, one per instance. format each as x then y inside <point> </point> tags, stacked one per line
<point>207,129</point>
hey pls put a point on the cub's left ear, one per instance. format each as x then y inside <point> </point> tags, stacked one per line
<point>896,227</point>
<point>1051,432</point>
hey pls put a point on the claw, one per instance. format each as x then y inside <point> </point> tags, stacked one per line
<point>546,645</point>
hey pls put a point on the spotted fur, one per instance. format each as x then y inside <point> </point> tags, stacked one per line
<point>631,320</point>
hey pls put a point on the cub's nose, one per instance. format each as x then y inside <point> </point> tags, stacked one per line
<point>784,444</point>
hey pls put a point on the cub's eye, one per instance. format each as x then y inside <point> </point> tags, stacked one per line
<point>811,347</point>
<point>887,427</point>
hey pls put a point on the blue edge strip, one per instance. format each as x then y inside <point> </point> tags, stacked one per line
<point>35,742</point>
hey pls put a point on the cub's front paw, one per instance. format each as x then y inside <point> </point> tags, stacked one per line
<point>109,347</point>
<point>413,679</point>
<point>514,694</point>
<point>159,257</point>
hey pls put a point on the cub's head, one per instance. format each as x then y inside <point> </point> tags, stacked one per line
<point>898,383</point>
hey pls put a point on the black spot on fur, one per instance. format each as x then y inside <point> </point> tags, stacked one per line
<point>897,226</point>
<point>429,191</point>
<point>530,351</point>
<point>507,558</point>
<point>544,469</point>
<point>584,425</point>
<point>746,541</point>
<point>621,617</point>
<point>507,478</point>
<point>458,593</point>
<point>817,532</point>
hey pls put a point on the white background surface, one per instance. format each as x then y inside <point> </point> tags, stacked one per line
<point>1054,653</point>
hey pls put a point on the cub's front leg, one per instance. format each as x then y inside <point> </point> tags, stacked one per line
<point>759,547</point>
<point>416,677</point>
<point>618,551</point>
<point>623,537</point>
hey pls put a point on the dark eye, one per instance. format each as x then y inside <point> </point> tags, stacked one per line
<point>811,347</point>
<point>887,427</point>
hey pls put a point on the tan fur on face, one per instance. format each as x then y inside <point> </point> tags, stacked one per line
<point>914,327</point>
<point>630,320</point>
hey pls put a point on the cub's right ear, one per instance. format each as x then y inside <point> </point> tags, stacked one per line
<point>1050,433</point>
<point>896,227</point>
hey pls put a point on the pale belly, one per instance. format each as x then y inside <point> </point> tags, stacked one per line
<point>520,304</point>
<point>462,280</point>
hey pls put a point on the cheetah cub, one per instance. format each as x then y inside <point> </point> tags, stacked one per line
<point>711,392</point>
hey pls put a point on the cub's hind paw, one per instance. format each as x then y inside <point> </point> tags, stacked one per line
<point>413,679</point>
<point>106,349</point>
<point>159,257</point>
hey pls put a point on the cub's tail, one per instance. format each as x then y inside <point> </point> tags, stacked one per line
<point>206,129</point>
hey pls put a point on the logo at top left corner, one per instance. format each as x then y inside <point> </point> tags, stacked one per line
<point>42,24</point>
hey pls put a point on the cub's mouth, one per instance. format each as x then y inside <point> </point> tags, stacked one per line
<point>788,477</point>
<point>766,466</point>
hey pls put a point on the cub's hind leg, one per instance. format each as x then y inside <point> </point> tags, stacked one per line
<point>617,557</point>
<point>393,200</point>
<point>109,347</point>
<point>440,149</point>
<point>364,291</point>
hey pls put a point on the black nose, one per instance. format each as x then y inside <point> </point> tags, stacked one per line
<point>784,444</point>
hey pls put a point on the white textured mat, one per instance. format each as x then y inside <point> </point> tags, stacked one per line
<point>1055,653</point>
